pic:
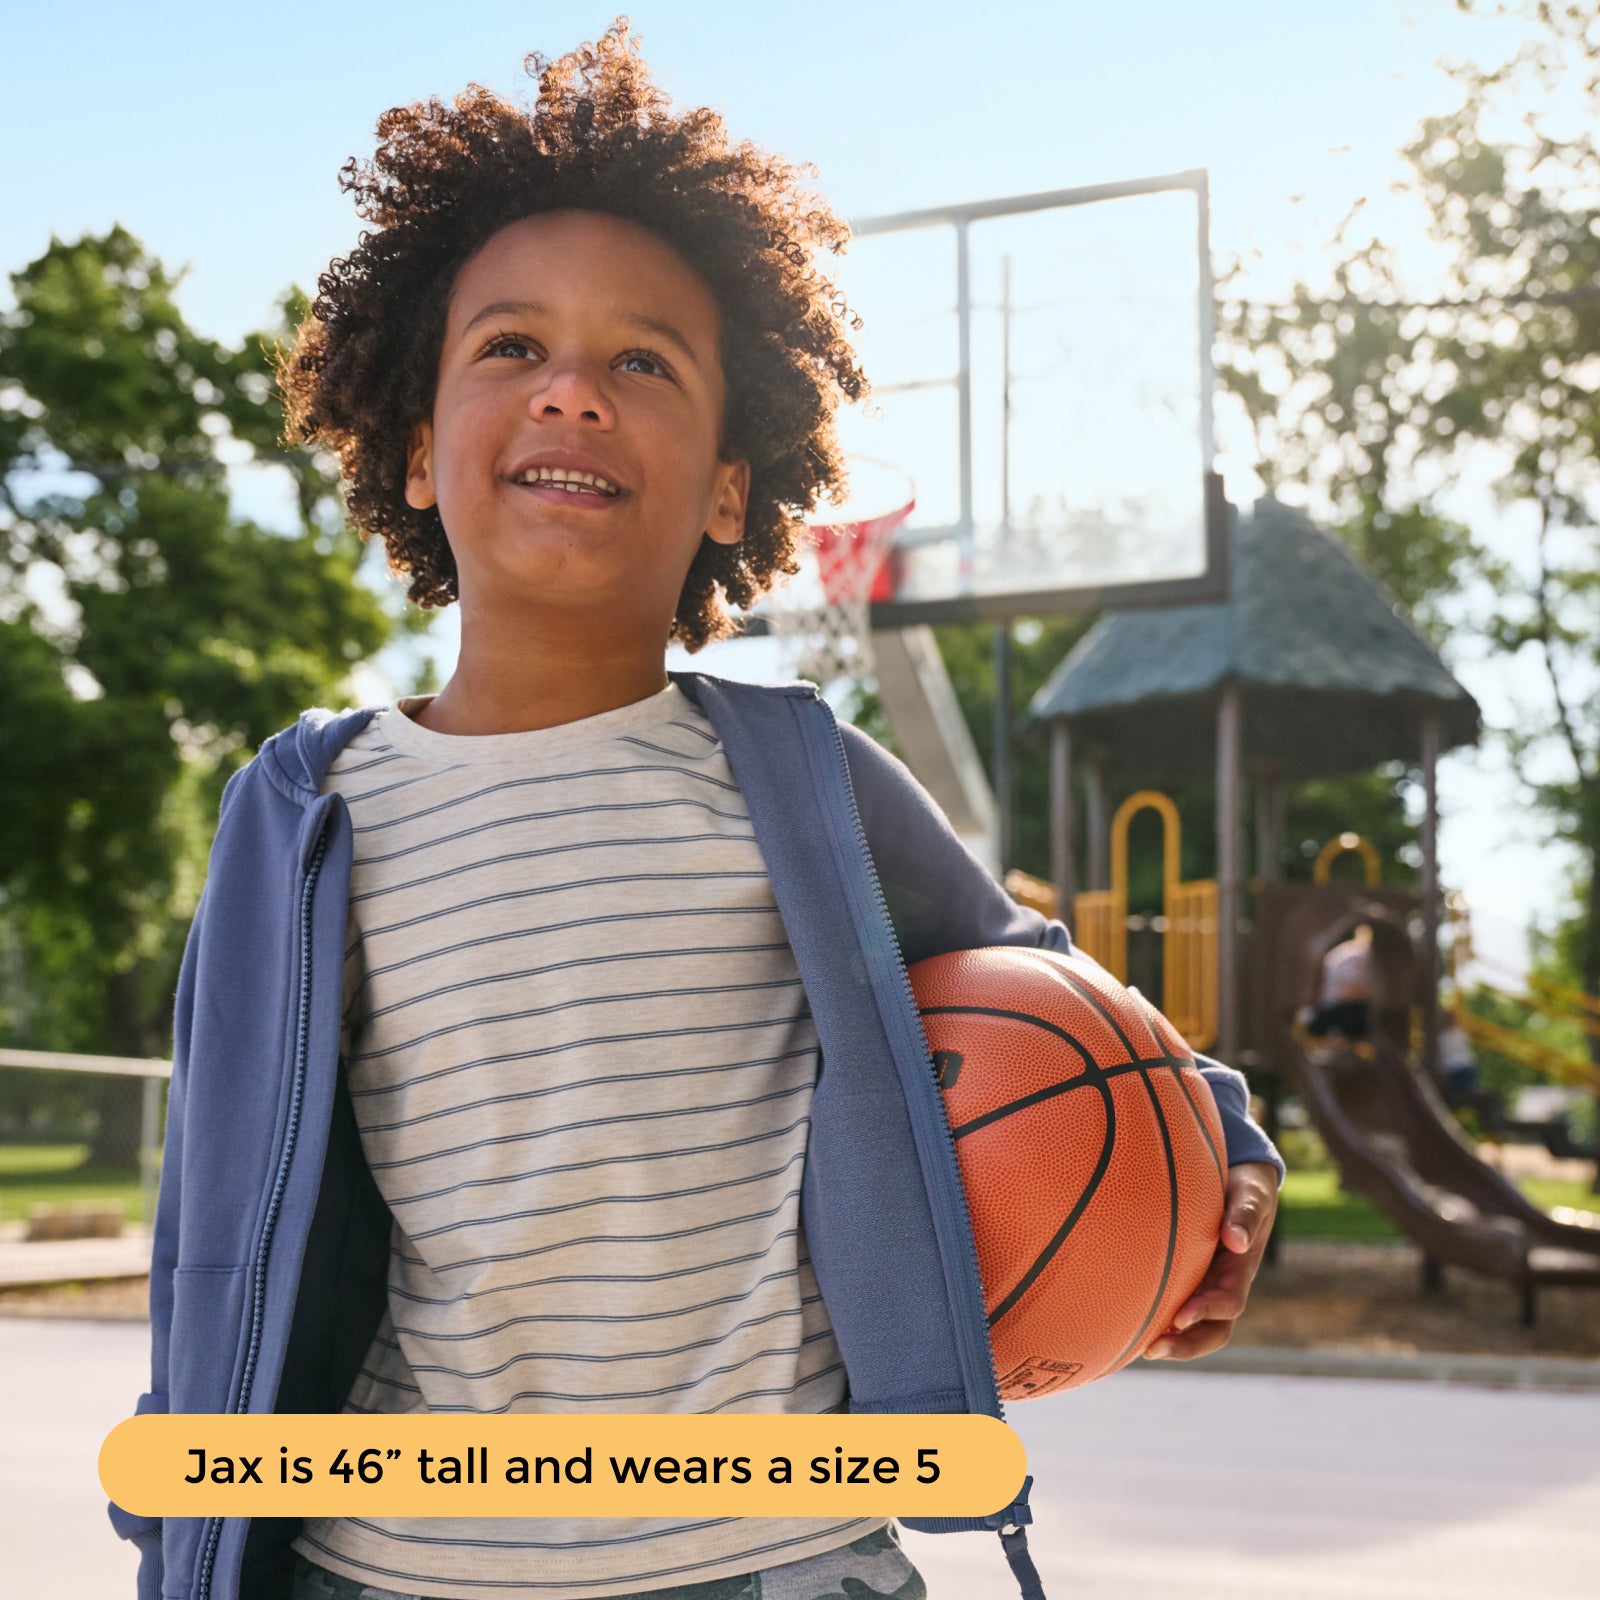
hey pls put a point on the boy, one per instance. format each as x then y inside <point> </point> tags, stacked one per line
<point>544,1044</point>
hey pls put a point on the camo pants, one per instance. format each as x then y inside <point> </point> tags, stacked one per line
<point>873,1567</point>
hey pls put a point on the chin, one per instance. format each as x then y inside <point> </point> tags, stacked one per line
<point>553,577</point>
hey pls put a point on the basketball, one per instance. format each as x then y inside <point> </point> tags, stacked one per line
<point>1090,1150</point>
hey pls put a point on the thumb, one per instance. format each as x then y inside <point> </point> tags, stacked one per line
<point>1246,1211</point>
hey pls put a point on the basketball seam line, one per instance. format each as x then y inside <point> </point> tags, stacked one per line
<point>1090,1189</point>
<point>1038,1096</point>
<point>1205,1131</point>
<point>1086,992</point>
<point>1172,1224</point>
<point>1096,1076</point>
<point>1133,1064</point>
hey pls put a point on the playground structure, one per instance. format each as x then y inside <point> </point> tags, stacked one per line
<point>1305,672</point>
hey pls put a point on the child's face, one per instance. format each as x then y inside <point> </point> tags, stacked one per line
<point>584,345</point>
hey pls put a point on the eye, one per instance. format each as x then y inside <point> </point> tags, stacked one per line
<point>644,361</point>
<point>511,345</point>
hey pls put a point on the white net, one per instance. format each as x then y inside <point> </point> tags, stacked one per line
<point>822,618</point>
<point>823,624</point>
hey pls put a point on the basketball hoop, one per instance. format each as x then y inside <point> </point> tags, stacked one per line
<point>823,617</point>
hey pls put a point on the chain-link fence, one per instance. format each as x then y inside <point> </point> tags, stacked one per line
<point>80,1141</point>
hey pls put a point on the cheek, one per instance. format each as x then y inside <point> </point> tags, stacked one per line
<point>467,445</point>
<point>686,453</point>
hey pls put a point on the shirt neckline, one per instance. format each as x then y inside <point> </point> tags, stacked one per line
<point>397,727</point>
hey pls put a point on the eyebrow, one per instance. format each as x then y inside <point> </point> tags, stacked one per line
<point>634,319</point>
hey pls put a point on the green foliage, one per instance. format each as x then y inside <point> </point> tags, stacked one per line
<point>1036,650</point>
<point>150,638</point>
<point>1363,390</point>
<point>1371,804</point>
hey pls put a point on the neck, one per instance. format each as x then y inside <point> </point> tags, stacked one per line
<point>515,676</point>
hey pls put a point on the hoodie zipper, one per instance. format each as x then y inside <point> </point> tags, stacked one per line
<point>871,914</point>
<point>291,1132</point>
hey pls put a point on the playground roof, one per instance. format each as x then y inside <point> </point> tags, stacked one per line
<point>1334,678</point>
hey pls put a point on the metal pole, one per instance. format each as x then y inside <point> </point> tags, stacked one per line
<point>1000,772</point>
<point>1097,824</point>
<point>1208,334</point>
<point>1001,777</point>
<point>964,391</point>
<point>1061,871</point>
<point>1269,826</point>
<point>1005,409</point>
<point>1230,740</point>
<point>149,1147</point>
<point>1431,741</point>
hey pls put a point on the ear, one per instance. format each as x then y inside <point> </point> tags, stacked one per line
<point>419,468</point>
<point>729,498</point>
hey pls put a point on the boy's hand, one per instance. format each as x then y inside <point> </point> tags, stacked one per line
<point>1204,1322</point>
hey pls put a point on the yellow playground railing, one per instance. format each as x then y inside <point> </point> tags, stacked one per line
<point>1348,844</point>
<point>1541,996</point>
<point>1190,912</point>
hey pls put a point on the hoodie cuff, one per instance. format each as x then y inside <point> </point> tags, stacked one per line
<point>1245,1138</point>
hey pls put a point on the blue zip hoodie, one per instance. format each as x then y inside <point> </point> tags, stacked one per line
<point>268,1275</point>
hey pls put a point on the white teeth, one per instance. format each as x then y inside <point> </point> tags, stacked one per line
<point>572,482</point>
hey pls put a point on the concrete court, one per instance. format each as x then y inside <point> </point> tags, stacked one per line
<point>1155,1484</point>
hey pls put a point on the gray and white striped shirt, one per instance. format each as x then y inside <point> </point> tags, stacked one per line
<point>582,1064</point>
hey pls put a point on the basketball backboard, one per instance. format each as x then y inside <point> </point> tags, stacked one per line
<point>1041,368</point>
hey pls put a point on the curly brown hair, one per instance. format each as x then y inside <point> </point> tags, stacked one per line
<point>599,137</point>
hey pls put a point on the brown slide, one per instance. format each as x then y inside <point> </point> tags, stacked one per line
<point>1396,1142</point>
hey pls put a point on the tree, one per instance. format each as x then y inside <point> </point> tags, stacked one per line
<point>150,637</point>
<point>1368,393</point>
<point>1038,646</point>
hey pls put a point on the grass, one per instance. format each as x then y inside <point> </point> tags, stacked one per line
<point>1547,1192</point>
<point>55,1174</point>
<point>1311,1205</point>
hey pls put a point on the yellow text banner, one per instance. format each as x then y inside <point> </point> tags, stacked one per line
<point>561,1466</point>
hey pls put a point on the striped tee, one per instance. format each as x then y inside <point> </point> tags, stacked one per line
<point>582,1063</point>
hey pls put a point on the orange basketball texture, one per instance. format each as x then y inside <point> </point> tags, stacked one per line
<point>1090,1150</point>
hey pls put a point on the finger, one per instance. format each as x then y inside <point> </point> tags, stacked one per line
<point>1223,1292</point>
<point>1200,1340</point>
<point>1229,1276</point>
<point>1224,1304</point>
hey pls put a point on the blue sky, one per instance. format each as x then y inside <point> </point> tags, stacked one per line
<point>215,133</point>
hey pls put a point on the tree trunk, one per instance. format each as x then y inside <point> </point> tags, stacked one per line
<point>118,1101</point>
<point>1591,987</point>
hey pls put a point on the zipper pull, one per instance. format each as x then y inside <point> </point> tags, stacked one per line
<point>1014,1541</point>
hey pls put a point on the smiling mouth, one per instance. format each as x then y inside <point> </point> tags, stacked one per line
<point>565,481</point>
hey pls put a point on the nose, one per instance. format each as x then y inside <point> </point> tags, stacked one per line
<point>571,390</point>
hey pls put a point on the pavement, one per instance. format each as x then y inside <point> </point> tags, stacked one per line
<point>72,1260</point>
<point>1212,1486</point>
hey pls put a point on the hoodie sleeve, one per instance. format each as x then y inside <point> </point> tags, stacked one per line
<point>942,898</point>
<point>145,1532</point>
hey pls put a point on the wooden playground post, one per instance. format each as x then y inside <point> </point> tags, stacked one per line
<point>1061,819</point>
<point>1269,825</point>
<point>1230,742</point>
<point>1098,824</point>
<point>1430,892</point>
